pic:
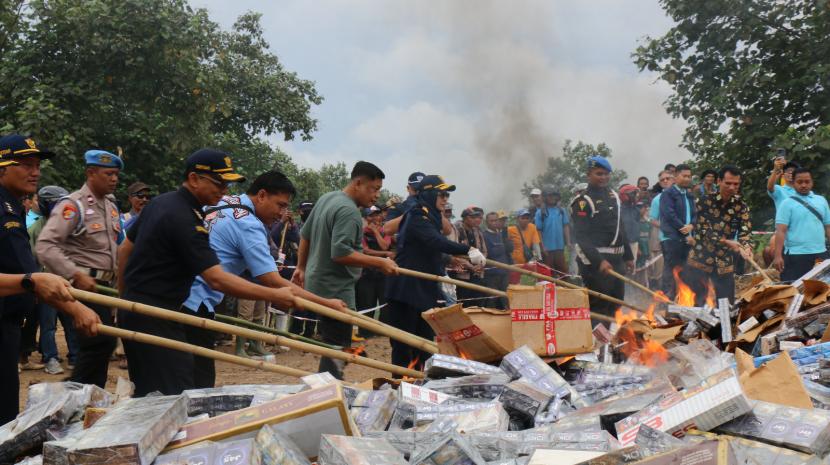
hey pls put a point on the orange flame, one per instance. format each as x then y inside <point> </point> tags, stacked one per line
<point>653,353</point>
<point>414,363</point>
<point>358,350</point>
<point>685,296</point>
<point>623,318</point>
<point>650,313</point>
<point>710,294</point>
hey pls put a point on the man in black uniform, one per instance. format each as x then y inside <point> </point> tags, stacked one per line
<point>601,244</point>
<point>165,249</point>
<point>19,173</point>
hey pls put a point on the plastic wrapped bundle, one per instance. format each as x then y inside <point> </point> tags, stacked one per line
<point>491,417</point>
<point>59,441</point>
<point>807,430</point>
<point>451,449</point>
<point>408,443</point>
<point>652,441</point>
<point>573,423</point>
<point>275,448</point>
<point>27,432</point>
<point>427,413</point>
<point>347,450</point>
<point>524,363</point>
<point>36,460</point>
<point>487,386</point>
<point>372,410</point>
<point>86,395</point>
<point>615,409</point>
<point>133,432</point>
<point>523,402</point>
<point>442,366</point>
<point>524,443</point>
<point>219,400</point>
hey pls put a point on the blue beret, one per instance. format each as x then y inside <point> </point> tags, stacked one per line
<point>103,159</point>
<point>596,161</point>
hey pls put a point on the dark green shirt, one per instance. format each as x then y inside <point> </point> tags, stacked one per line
<point>334,229</point>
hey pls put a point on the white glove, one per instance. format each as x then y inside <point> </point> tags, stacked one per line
<point>476,257</point>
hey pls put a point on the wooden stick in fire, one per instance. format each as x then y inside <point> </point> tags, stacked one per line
<point>758,268</point>
<point>211,325</point>
<point>200,351</point>
<point>562,283</point>
<point>482,289</point>
<point>639,286</point>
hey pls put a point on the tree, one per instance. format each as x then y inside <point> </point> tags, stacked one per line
<point>563,173</point>
<point>749,77</point>
<point>155,78</point>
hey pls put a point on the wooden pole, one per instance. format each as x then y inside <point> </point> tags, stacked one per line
<point>368,323</point>
<point>760,270</point>
<point>200,351</point>
<point>559,282</point>
<point>483,289</point>
<point>639,286</point>
<point>211,325</point>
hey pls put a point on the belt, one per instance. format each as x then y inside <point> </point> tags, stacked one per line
<point>105,276</point>
<point>611,250</point>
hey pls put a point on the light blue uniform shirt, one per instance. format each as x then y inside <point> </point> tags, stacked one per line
<point>805,233</point>
<point>654,213</point>
<point>31,217</point>
<point>780,193</point>
<point>553,228</point>
<point>240,241</point>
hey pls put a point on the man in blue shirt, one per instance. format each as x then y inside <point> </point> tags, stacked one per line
<point>239,236</point>
<point>552,223</point>
<point>802,225</point>
<point>677,215</point>
<point>664,181</point>
<point>782,169</point>
<point>499,250</point>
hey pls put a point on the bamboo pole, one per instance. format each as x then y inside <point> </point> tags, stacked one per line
<point>759,269</point>
<point>476,287</point>
<point>211,325</point>
<point>200,351</point>
<point>639,286</point>
<point>265,329</point>
<point>562,283</point>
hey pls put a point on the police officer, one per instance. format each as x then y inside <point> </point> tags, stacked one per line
<point>601,244</point>
<point>79,243</point>
<point>164,251</point>
<point>19,173</point>
<point>421,247</point>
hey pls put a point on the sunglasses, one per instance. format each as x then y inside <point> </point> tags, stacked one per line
<point>665,179</point>
<point>444,195</point>
<point>216,182</point>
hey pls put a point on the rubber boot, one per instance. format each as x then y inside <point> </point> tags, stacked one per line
<point>240,346</point>
<point>257,347</point>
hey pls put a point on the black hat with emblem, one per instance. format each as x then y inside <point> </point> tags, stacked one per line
<point>14,147</point>
<point>214,162</point>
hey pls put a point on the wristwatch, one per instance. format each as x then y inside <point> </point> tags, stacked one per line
<point>28,284</point>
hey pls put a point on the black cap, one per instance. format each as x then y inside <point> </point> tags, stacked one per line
<point>472,211</point>
<point>137,187</point>
<point>305,205</point>
<point>435,182</point>
<point>415,179</point>
<point>14,147</point>
<point>212,161</point>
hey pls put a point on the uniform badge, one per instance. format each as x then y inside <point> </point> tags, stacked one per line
<point>582,204</point>
<point>90,211</point>
<point>31,144</point>
<point>9,208</point>
<point>69,211</point>
<point>11,224</point>
<point>105,159</point>
<point>228,162</point>
<point>96,226</point>
<point>201,229</point>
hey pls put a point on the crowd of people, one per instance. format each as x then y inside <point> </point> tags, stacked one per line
<point>198,248</point>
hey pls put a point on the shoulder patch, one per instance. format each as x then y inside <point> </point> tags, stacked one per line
<point>69,211</point>
<point>12,224</point>
<point>9,208</point>
<point>201,229</point>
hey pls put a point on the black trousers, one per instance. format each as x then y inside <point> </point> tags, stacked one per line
<point>154,368</point>
<point>9,380</point>
<point>94,353</point>
<point>204,369</point>
<point>28,333</point>
<point>497,279</point>
<point>469,297</point>
<point>602,283</point>
<point>408,318</point>
<point>796,266</point>
<point>698,281</point>
<point>675,253</point>
<point>336,333</point>
<point>370,291</point>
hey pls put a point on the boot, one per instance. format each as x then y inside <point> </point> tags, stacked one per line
<point>240,346</point>
<point>257,347</point>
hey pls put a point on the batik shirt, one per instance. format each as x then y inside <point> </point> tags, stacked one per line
<point>718,219</point>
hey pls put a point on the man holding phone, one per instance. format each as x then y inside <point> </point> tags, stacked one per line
<point>781,169</point>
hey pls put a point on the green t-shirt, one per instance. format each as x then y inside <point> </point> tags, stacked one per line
<point>334,229</point>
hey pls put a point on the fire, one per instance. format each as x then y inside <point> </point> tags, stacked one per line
<point>414,363</point>
<point>653,353</point>
<point>650,313</point>
<point>357,351</point>
<point>623,318</point>
<point>685,296</point>
<point>710,294</point>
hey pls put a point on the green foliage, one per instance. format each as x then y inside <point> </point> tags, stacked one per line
<point>568,170</point>
<point>154,78</point>
<point>748,77</point>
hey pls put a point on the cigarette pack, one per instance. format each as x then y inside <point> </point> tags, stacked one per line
<point>442,366</point>
<point>409,442</point>
<point>710,452</point>
<point>344,450</point>
<point>551,320</point>
<point>275,448</point>
<point>524,363</point>
<point>56,448</point>
<point>372,410</point>
<point>472,387</point>
<point>714,402</point>
<point>411,393</point>
<point>239,452</point>
<point>452,449</point>
<point>612,410</point>
<point>806,430</point>
<point>132,433</point>
<point>219,400</point>
<point>303,417</point>
<point>523,402</point>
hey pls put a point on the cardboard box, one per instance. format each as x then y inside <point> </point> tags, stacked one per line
<point>714,402</point>
<point>473,333</point>
<point>303,417</point>
<point>551,320</point>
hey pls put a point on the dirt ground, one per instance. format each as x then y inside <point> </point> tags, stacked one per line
<point>226,373</point>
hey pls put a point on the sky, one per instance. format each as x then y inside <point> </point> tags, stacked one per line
<point>478,91</point>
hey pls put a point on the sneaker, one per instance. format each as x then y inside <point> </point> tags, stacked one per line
<point>30,365</point>
<point>53,367</point>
